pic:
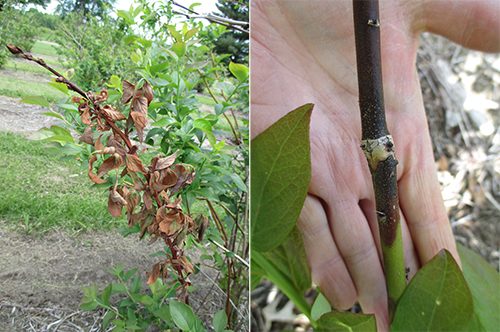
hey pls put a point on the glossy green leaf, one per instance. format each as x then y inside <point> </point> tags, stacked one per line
<point>346,321</point>
<point>59,86</point>
<point>182,315</point>
<point>90,305</point>
<point>290,258</point>
<point>136,285</point>
<point>118,288</point>
<point>320,307</point>
<point>281,171</point>
<point>35,100</point>
<point>220,321</point>
<point>110,315</point>
<point>256,275</point>
<point>226,87</point>
<point>191,33</point>
<point>176,34</point>
<point>106,293</point>
<point>58,133</point>
<point>437,298</point>
<point>126,16</point>
<point>55,115</point>
<point>239,71</point>
<point>129,274</point>
<point>203,125</point>
<point>163,312</point>
<point>179,49</point>
<point>484,284</point>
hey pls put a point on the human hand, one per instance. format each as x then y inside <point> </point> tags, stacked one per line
<point>304,52</point>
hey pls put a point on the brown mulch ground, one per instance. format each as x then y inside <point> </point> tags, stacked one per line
<point>461,92</point>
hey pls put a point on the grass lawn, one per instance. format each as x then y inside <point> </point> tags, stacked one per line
<point>37,193</point>
<point>15,88</point>
<point>44,48</point>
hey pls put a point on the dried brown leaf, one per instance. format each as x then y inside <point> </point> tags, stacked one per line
<point>140,123</point>
<point>85,113</point>
<point>117,142</point>
<point>146,197</point>
<point>115,203</point>
<point>155,273</point>
<point>113,114</point>
<point>94,178</point>
<point>162,163</point>
<point>128,91</point>
<point>87,136</point>
<point>98,99</point>
<point>140,104</point>
<point>185,175</point>
<point>147,92</point>
<point>182,293</point>
<point>113,162</point>
<point>186,265</point>
<point>134,164</point>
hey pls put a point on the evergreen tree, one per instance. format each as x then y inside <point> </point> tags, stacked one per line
<point>233,42</point>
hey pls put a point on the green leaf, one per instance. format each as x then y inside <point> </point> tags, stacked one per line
<point>61,134</point>
<point>256,275</point>
<point>136,285</point>
<point>163,312</point>
<point>191,33</point>
<point>176,34</point>
<point>59,86</point>
<point>146,300</point>
<point>118,288</point>
<point>106,293</point>
<point>35,100</point>
<point>55,115</point>
<point>320,307</point>
<point>239,71</point>
<point>220,321</point>
<point>194,66</point>
<point>164,122</point>
<point>484,284</point>
<point>203,125</point>
<point>290,258</point>
<point>129,274</point>
<point>437,298</point>
<point>126,16</point>
<point>107,319</point>
<point>346,321</point>
<point>182,315</point>
<point>227,87</point>
<point>87,306</point>
<point>179,48</point>
<point>281,171</point>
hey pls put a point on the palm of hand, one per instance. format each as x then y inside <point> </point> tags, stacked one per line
<point>299,58</point>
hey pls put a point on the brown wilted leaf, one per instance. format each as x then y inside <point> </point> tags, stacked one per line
<point>115,203</point>
<point>186,265</point>
<point>174,205</point>
<point>164,179</point>
<point>113,114</point>
<point>185,175</point>
<point>147,91</point>
<point>155,273</point>
<point>182,293</point>
<point>162,163</point>
<point>128,91</point>
<point>133,199</point>
<point>77,99</point>
<point>102,126</point>
<point>140,123</point>
<point>146,197</point>
<point>94,178</point>
<point>87,136</point>
<point>85,113</point>
<point>113,162</point>
<point>101,149</point>
<point>202,222</point>
<point>98,99</point>
<point>14,49</point>
<point>169,222</point>
<point>117,142</point>
<point>134,164</point>
<point>140,104</point>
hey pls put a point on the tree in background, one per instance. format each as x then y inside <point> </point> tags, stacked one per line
<point>98,8</point>
<point>42,3</point>
<point>233,42</point>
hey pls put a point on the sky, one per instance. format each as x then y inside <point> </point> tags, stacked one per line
<point>207,6</point>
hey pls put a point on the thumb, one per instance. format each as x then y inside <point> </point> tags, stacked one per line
<point>472,24</point>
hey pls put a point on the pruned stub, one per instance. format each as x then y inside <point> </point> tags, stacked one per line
<point>377,150</point>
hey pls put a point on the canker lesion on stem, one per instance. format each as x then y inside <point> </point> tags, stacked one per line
<point>377,150</point>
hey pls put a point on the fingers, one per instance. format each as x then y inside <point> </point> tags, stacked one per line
<point>473,24</point>
<point>422,204</point>
<point>327,267</point>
